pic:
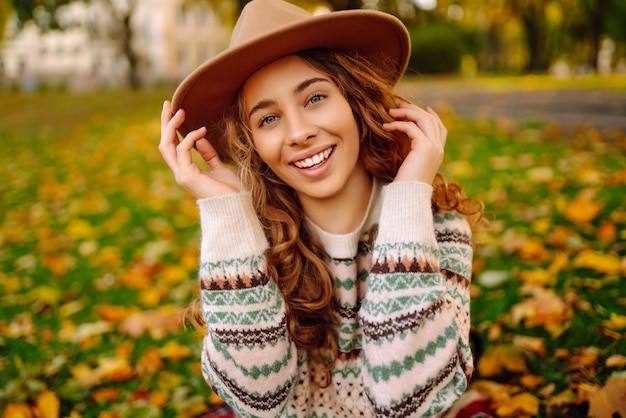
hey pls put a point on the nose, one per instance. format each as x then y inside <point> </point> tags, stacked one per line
<point>299,129</point>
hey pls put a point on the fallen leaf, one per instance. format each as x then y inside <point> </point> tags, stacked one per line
<point>545,308</point>
<point>17,410</point>
<point>583,209</point>
<point>532,345</point>
<point>48,405</point>
<point>615,321</point>
<point>106,395</point>
<point>522,405</point>
<point>501,358</point>
<point>607,232</point>
<point>609,400</point>
<point>603,263</point>
<point>616,360</point>
<point>174,351</point>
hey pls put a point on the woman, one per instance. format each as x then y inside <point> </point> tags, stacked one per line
<point>335,261</point>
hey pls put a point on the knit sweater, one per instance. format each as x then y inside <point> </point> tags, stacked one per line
<point>401,308</point>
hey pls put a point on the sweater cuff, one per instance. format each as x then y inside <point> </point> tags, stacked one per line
<point>406,214</point>
<point>230,228</point>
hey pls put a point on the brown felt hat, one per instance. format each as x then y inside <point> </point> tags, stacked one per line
<point>271,29</point>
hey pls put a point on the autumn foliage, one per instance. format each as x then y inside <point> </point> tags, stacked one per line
<point>99,249</point>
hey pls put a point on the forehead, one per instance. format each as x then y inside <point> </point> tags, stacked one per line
<point>283,73</point>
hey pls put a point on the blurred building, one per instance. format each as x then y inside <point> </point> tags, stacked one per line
<point>170,38</point>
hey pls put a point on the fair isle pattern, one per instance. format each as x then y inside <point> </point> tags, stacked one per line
<point>402,326</point>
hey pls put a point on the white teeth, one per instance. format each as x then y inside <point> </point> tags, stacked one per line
<point>314,160</point>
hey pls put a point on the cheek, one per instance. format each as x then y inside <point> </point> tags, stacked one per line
<point>267,149</point>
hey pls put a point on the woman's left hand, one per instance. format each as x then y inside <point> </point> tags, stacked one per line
<point>428,139</point>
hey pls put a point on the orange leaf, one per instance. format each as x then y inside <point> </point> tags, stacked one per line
<point>106,395</point>
<point>150,362</point>
<point>48,405</point>
<point>607,232</point>
<point>85,375</point>
<point>531,381</point>
<point>116,369</point>
<point>17,410</point>
<point>522,405</point>
<point>545,309</point>
<point>609,400</point>
<point>616,360</point>
<point>113,313</point>
<point>501,358</point>
<point>175,351</point>
<point>582,209</point>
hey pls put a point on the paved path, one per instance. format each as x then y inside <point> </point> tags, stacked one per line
<point>604,109</point>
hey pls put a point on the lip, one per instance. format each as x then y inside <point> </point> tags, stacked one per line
<point>317,170</point>
<point>310,154</point>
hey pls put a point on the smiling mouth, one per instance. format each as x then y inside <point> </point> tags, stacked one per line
<point>315,159</point>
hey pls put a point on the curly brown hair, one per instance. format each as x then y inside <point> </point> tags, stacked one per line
<point>296,260</point>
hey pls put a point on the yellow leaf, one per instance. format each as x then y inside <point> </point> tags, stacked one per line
<point>492,390</point>
<point>85,375</point>
<point>531,381</point>
<point>533,249</point>
<point>114,313</point>
<point>615,321</point>
<point>115,369</point>
<point>538,277</point>
<point>174,351</point>
<point>48,405</point>
<point>582,209</point>
<point>603,263</point>
<point>498,359</point>
<point>530,344</point>
<point>174,274</point>
<point>17,410</point>
<point>522,405</point>
<point>79,229</point>
<point>150,362</point>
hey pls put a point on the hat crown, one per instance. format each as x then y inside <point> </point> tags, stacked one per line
<point>260,17</point>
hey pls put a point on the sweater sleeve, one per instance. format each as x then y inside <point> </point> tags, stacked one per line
<point>247,356</point>
<point>415,315</point>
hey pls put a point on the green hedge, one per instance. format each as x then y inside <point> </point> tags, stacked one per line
<point>438,48</point>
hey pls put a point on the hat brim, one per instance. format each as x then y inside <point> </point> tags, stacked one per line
<point>209,89</point>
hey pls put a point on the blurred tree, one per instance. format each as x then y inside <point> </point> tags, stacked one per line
<point>44,13</point>
<point>5,12</point>
<point>533,16</point>
<point>601,18</point>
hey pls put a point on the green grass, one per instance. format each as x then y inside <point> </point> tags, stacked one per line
<point>91,219</point>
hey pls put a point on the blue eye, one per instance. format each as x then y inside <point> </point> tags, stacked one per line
<point>268,120</point>
<point>316,98</point>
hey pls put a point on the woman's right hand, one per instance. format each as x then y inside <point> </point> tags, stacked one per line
<point>202,184</point>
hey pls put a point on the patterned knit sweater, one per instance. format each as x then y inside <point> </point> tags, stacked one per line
<point>402,309</point>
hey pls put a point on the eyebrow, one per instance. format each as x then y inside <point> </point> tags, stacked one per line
<point>299,88</point>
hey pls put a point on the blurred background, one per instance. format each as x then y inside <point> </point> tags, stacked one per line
<point>86,44</point>
<point>99,246</point>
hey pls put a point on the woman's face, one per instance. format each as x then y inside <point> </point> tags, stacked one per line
<point>303,129</point>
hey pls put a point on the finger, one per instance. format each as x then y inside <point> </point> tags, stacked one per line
<point>426,121</point>
<point>409,128</point>
<point>442,128</point>
<point>169,137</point>
<point>209,154</point>
<point>183,149</point>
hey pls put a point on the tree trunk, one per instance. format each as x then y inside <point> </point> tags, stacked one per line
<point>597,18</point>
<point>134,81</point>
